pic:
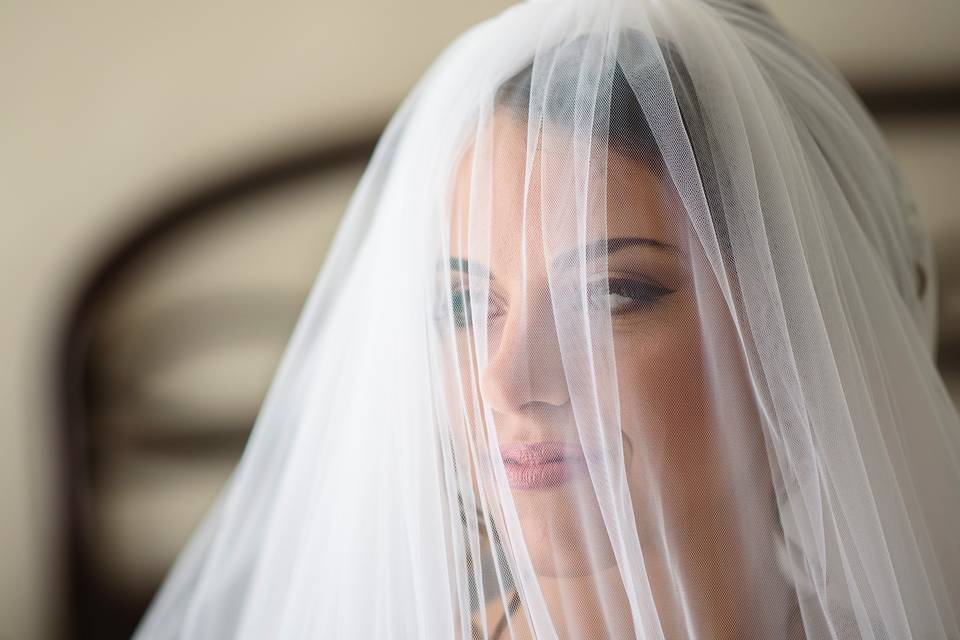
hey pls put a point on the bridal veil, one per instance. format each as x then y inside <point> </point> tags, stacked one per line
<point>627,331</point>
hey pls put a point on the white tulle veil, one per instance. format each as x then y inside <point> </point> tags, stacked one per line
<point>627,331</point>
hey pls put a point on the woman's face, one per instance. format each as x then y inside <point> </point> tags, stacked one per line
<point>657,414</point>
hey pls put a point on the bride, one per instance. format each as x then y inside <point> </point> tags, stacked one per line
<point>627,332</point>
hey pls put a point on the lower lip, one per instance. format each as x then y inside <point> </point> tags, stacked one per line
<point>539,476</point>
<point>537,471</point>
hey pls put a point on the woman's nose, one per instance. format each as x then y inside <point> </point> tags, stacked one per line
<point>526,365</point>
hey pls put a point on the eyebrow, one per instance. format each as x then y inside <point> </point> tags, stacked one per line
<point>611,245</point>
<point>569,258</point>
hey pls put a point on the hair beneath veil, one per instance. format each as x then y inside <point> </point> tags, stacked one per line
<point>627,332</point>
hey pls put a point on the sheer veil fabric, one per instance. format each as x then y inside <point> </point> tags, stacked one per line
<point>627,332</point>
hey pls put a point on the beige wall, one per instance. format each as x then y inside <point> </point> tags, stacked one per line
<point>108,105</point>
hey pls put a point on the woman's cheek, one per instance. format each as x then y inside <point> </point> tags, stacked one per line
<point>663,391</point>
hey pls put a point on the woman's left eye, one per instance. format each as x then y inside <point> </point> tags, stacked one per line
<point>624,294</point>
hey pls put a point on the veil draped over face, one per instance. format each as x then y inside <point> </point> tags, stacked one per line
<point>627,331</point>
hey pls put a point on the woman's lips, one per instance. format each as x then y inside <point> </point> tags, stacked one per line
<point>541,465</point>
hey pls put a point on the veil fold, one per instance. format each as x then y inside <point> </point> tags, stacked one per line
<point>627,331</point>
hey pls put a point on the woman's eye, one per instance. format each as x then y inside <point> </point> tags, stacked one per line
<point>624,294</point>
<point>460,308</point>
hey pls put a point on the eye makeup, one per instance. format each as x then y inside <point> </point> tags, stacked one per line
<point>623,294</point>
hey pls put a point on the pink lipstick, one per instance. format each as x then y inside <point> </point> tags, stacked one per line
<point>541,465</point>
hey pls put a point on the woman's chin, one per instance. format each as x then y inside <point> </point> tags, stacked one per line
<point>564,533</point>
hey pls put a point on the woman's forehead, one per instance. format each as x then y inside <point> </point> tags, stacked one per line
<point>558,193</point>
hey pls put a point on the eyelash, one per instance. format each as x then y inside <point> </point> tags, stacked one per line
<point>639,293</point>
<point>460,308</point>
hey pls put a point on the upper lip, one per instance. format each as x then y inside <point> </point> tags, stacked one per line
<point>538,453</point>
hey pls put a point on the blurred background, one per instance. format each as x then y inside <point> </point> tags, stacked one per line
<point>171,174</point>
